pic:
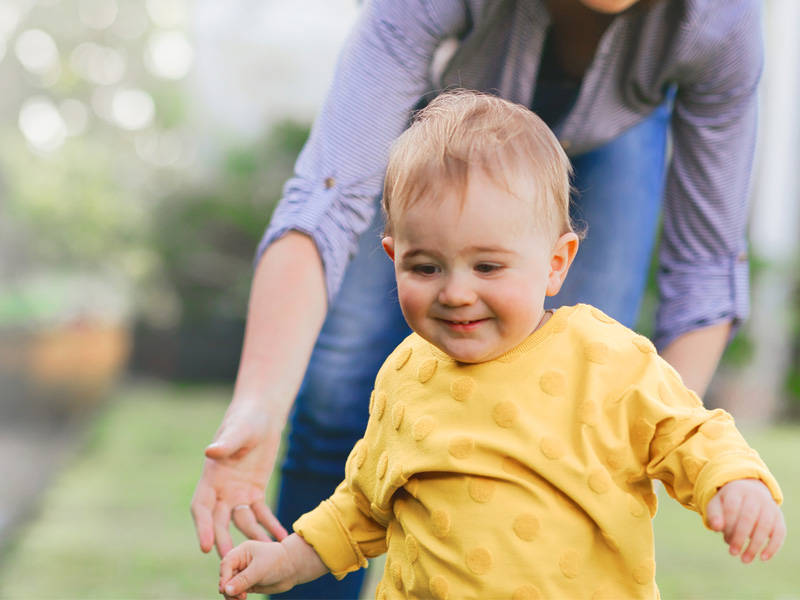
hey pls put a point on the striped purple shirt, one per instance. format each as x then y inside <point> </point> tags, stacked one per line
<point>712,50</point>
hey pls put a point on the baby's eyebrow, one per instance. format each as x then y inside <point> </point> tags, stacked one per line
<point>414,252</point>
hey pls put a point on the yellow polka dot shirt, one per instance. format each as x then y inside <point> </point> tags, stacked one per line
<point>528,476</point>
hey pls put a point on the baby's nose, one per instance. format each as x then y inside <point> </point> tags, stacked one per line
<point>456,291</point>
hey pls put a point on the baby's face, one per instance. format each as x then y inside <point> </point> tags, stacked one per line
<point>472,276</point>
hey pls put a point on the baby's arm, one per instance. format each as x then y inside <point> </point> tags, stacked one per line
<point>745,509</point>
<point>268,567</point>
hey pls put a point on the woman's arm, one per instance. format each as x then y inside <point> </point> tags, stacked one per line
<point>703,266</point>
<point>695,355</point>
<point>286,311</point>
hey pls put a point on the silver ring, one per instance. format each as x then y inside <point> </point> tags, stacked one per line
<point>240,506</point>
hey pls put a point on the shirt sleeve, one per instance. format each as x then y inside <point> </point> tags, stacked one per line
<point>703,265</point>
<point>341,532</point>
<point>381,74</point>
<point>691,450</point>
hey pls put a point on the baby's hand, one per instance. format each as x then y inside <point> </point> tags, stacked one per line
<point>268,567</point>
<point>263,567</point>
<point>745,509</point>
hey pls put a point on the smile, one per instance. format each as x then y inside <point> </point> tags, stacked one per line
<point>463,326</point>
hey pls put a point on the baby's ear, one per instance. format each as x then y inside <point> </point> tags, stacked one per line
<point>388,246</point>
<point>564,251</point>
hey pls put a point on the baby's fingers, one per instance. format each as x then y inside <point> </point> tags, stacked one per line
<point>714,514</point>
<point>738,530</point>
<point>776,538</point>
<point>763,528</point>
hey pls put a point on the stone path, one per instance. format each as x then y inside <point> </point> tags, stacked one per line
<point>33,448</point>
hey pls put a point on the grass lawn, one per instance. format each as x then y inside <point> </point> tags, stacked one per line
<point>116,523</point>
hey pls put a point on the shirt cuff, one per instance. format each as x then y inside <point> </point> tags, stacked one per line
<point>732,466</point>
<point>699,295</point>
<point>323,528</point>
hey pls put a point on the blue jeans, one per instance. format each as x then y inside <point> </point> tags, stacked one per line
<point>620,189</point>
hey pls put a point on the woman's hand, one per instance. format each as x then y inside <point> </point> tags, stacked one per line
<point>237,469</point>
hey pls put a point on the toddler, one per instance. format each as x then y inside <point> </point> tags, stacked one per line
<point>510,450</point>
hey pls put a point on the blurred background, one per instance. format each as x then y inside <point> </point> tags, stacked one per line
<point>143,146</point>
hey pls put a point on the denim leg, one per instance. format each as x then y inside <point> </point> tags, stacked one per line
<point>330,415</point>
<point>620,188</point>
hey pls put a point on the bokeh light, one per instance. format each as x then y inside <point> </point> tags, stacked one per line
<point>41,124</point>
<point>9,18</point>
<point>132,109</point>
<point>98,14</point>
<point>169,54</point>
<point>98,64</point>
<point>168,13</point>
<point>37,51</point>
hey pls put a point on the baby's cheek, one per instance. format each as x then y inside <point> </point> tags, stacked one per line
<point>413,301</point>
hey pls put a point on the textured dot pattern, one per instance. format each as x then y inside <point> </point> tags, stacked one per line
<point>402,358</point>
<point>552,447</point>
<point>426,369</point>
<point>361,453</point>
<point>462,388</point>
<point>371,402</point>
<point>712,429</point>
<point>527,527</point>
<point>422,427</point>
<point>617,457</point>
<point>383,463</point>
<point>479,560</point>
<point>505,414</point>
<point>412,548</point>
<point>644,572</point>
<point>644,345</point>
<point>440,588</point>
<point>589,413</point>
<point>461,447</point>
<point>398,412</point>
<point>396,570</point>
<point>396,476</point>
<point>481,489</point>
<point>501,436</point>
<point>599,481</point>
<point>570,564</point>
<point>527,592</point>
<point>440,523</point>
<point>597,352</point>
<point>553,383</point>
<point>380,405</point>
<point>601,316</point>
<point>667,427</point>
<point>643,431</point>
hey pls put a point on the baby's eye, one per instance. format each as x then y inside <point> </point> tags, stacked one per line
<point>425,269</point>
<point>486,268</point>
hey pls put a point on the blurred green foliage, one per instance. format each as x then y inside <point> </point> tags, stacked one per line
<point>206,233</point>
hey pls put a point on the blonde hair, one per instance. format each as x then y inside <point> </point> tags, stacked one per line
<point>461,130</point>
